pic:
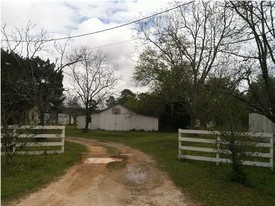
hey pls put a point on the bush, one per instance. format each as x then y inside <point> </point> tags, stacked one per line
<point>239,147</point>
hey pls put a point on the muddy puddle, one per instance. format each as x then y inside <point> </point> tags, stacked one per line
<point>101,160</point>
<point>137,173</point>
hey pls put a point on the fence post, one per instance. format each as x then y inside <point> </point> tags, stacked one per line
<point>218,149</point>
<point>63,139</point>
<point>271,152</point>
<point>179,144</point>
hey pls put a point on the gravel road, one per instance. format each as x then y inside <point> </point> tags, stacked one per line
<point>133,179</point>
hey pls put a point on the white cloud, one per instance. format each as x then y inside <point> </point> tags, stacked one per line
<point>60,18</point>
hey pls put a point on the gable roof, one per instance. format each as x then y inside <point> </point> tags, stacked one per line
<point>97,112</point>
<point>134,113</point>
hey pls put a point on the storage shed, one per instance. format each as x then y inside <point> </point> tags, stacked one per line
<point>119,118</point>
<point>64,119</point>
<point>260,123</point>
<point>81,119</point>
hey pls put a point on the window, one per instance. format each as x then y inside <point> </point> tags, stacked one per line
<point>116,111</point>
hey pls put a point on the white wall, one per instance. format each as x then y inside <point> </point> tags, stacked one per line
<point>63,119</point>
<point>145,123</point>
<point>125,120</point>
<point>95,121</point>
<point>259,123</point>
<point>81,120</point>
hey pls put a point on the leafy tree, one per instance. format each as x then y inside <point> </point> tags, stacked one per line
<point>239,147</point>
<point>146,104</point>
<point>191,36</point>
<point>111,101</point>
<point>125,95</point>
<point>34,82</point>
<point>155,104</point>
<point>46,86</point>
<point>172,83</point>
<point>14,105</point>
<point>218,93</point>
<point>257,95</point>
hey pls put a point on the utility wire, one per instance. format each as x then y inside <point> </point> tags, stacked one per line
<point>101,46</point>
<point>104,30</point>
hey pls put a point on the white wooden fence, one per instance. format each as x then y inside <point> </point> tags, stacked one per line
<point>34,142</point>
<point>265,140</point>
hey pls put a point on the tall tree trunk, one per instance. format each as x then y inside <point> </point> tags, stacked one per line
<point>172,108</point>
<point>74,118</point>
<point>70,119</point>
<point>193,113</point>
<point>42,117</point>
<point>87,118</point>
<point>270,88</point>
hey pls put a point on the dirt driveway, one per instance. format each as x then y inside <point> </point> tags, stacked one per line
<point>132,179</point>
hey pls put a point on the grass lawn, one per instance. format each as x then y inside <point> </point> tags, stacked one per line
<point>29,173</point>
<point>202,181</point>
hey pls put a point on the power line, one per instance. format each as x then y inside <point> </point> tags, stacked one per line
<point>101,46</point>
<point>108,29</point>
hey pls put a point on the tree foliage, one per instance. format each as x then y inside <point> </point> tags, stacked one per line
<point>239,147</point>
<point>258,97</point>
<point>187,41</point>
<point>111,101</point>
<point>28,83</point>
<point>126,95</point>
<point>202,40</point>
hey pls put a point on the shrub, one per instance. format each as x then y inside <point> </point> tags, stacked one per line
<point>239,147</point>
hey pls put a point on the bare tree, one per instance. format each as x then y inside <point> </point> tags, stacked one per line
<point>258,31</point>
<point>28,43</point>
<point>73,106</point>
<point>23,41</point>
<point>193,35</point>
<point>93,78</point>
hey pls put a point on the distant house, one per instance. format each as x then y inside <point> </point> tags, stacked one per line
<point>119,118</point>
<point>61,118</point>
<point>64,119</point>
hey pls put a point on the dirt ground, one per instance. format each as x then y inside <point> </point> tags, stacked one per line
<point>133,180</point>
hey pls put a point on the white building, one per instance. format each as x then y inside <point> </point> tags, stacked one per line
<point>81,122</point>
<point>64,119</point>
<point>260,123</point>
<point>119,118</point>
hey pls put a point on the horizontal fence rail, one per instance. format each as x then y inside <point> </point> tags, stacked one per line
<point>195,144</point>
<point>33,140</point>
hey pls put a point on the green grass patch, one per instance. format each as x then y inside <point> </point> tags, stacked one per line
<point>202,181</point>
<point>29,173</point>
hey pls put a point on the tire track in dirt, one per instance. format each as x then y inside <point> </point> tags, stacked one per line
<point>133,181</point>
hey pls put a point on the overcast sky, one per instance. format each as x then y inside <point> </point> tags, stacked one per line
<point>61,18</point>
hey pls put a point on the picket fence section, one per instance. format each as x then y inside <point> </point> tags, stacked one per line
<point>53,141</point>
<point>267,142</point>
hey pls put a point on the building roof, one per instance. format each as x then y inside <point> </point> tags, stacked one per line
<point>97,112</point>
<point>112,107</point>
